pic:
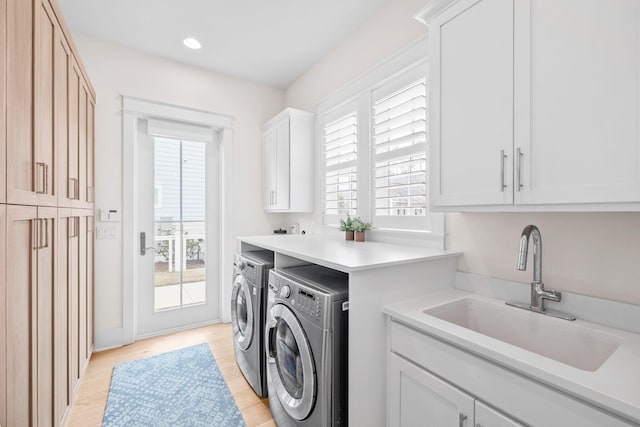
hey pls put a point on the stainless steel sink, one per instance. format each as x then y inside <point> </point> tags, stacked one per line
<point>564,342</point>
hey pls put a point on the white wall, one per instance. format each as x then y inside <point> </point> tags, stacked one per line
<point>595,254</point>
<point>117,71</point>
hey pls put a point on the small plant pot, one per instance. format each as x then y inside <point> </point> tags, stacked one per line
<point>359,236</point>
<point>348,235</point>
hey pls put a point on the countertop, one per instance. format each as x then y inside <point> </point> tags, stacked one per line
<point>342,255</point>
<point>615,385</point>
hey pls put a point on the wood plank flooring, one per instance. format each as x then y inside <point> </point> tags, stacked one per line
<point>91,399</point>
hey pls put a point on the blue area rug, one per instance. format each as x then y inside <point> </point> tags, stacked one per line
<point>179,388</point>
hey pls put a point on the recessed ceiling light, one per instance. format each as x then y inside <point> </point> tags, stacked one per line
<point>192,43</point>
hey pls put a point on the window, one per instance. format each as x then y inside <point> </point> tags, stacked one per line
<point>399,154</point>
<point>340,134</point>
<point>375,155</point>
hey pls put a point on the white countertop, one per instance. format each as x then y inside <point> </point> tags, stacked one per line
<point>342,255</point>
<point>615,385</point>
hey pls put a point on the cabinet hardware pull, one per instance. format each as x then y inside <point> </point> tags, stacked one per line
<point>77,190</point>
<point>519,155</point>
<point>275,197</point>
<point>45,221</point>
<point>35,224</point>
<point>503,157</point>
<point>71,224</point>
<point>46,178</point>
<point>462,419</point>
<point>41,174</point>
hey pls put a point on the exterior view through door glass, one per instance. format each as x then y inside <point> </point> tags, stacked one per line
<point>179,223</point>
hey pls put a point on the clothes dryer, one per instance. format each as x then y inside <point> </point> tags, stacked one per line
<point>248,310</point>
<point>306,341</point>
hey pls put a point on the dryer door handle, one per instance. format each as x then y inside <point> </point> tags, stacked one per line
<point>270,339</point>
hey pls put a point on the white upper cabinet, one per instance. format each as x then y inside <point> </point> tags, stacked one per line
<point>287,166</point>
<point>534,104</point>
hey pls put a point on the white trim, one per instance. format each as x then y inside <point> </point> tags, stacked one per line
<point>414,55</point>
<point>134,109</point>
<point>435,7</point>
<point>179,329</point>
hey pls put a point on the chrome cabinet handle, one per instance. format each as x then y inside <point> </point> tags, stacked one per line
<point>46,233</point>
<point>46,178</point>
<point>503,157</point>
<point>462,418</point>
<point>74,189</point>
<point>35,224</point>
<point>41,177</point>
<point>519,156</point>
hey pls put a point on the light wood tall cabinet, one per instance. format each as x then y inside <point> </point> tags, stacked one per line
<point>47,107</point>
<point>534,104</point>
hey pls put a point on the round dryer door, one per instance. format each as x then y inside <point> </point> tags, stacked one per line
<point>241,312</point>
<point>290,362</point>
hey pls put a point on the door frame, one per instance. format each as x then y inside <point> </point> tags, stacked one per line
<point>134,109</point>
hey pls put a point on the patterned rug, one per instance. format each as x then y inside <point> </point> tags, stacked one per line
<point>179,388</point>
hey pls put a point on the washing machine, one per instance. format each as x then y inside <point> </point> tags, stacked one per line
<point>306,339</point>
<point>248,310</point>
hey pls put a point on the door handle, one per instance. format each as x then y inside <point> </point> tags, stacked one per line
<point>503,157</point>
<point>143,244</point>
<point>519,155</point>
<point>41,177</point>
<point>462,418</point>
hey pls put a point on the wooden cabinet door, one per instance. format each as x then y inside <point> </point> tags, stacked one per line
<point>19,92</point>
<point>3,314</point>
<point>21,273</point>
<point>82,144</point>
<point>3,103</point>
<point>67,250</point>
<point>91,109</point>
<point>62,74</point>
<point>489,417</point>
<point>45,29</point>
<point>43,317</point>
<point>90,283</point>
<point>471,104</point>
<point>73,163</point>
<point>577,101</point>
<point>83,357</point>
<point>418,398</point>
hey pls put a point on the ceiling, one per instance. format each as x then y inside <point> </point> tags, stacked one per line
<point>267,41</point>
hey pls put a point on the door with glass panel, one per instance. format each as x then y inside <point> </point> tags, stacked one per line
<point>178,234</point>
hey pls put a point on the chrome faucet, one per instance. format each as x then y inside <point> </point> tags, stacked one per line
<point>538,292</point>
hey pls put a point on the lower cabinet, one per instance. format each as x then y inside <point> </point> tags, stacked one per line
<point>433,383</point>
<point>419,398</point>
<point>46,278</point>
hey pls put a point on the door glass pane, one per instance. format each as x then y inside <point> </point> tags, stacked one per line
<point>288,360</point>
<point>179,215</point>
<point>241,312</point>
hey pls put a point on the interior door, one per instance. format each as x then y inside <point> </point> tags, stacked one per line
<point>290,362</point>
<point>178,280</point>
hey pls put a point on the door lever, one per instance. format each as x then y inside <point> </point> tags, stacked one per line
<point>143,244</point>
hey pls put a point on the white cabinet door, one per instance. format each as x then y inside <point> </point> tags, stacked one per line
<point>418,398</point>
<point>281,196</point>
<point>577,68</point>
<point>471,104</point>
<point>269,141</point>
<point>276,168</point>
<point>488,417</point>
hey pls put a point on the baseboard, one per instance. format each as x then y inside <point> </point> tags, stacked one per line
<point>178,329</point>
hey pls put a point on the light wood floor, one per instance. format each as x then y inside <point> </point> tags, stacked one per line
<point>91,399</point>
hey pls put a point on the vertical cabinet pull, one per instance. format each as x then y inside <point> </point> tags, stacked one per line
<point>461,419</point>
<point>519,156</point>
<point>36,233</point>
<point>45,221</point>
<point>74,190</point>
<point>503,158</point>
<point>41,177</point>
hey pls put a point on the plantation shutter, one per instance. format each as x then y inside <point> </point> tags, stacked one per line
<point>399,154</point>
<point>340,165</point>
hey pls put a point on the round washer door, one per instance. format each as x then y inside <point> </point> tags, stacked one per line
<point>290,362</point>
<point>241,312</point>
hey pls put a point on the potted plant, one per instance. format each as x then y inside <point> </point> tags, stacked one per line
<point>359,226</point>
<point>346,225</point>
